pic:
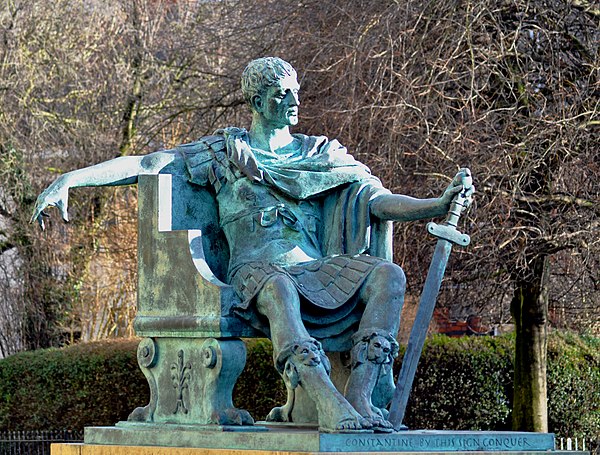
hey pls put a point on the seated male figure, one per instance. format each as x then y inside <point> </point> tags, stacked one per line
<point>309,236</point>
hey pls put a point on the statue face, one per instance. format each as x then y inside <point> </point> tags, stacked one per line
<point>279,104</point>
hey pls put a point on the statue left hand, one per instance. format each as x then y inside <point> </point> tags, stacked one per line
<point>457,185</point>
<point>56,195</point>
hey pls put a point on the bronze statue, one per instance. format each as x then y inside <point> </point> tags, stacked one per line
<point>309,234</point>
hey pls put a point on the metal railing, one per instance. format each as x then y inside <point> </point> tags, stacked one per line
<point>591,445</point>
<point>35,442</point>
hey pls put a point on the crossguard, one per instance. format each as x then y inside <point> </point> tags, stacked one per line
<point>448,231</point>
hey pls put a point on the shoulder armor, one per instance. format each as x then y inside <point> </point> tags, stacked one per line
<point>216,142</point>
<point>202,150</point>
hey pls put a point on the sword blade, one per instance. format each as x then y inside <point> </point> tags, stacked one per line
<point>419,332</point>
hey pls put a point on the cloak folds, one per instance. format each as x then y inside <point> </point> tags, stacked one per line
<point>320,168</point>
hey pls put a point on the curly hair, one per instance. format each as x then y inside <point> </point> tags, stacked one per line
<point>263,73</point>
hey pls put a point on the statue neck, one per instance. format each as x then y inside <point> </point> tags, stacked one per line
<point>269,138</point>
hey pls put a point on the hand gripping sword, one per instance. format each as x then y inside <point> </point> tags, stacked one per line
<point>447,234</point>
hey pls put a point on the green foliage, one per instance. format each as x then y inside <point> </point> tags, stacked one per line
<point>461,383</point>
<point>86,384</point>
<point>466,383</point>
<point>259,388</point>
<point>574,385</point>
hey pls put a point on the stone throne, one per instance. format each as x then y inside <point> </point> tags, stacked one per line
<point>191,352</point>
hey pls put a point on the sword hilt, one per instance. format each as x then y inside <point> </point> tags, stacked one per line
<point>458,203</point>
<point>448,231</point>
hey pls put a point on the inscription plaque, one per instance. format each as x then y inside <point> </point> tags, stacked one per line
<point>276,438</point>
<point>436,441</point>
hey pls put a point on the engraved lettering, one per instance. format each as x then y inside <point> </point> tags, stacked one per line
<point>439,442</point>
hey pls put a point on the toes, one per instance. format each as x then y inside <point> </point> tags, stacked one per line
<point>353,424</point>
<point>348,424</point>
<point>381,425</point>
<point>365,423</point>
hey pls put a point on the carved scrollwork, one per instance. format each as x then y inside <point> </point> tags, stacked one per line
<point>181,375</point>
<point>146,353</point>
<point>209,357</point>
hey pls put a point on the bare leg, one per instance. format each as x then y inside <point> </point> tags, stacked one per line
<point>374,344</point>
<point>300,359</point>
<point>383,296</point>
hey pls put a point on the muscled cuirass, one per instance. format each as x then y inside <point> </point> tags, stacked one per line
<point>262,224</point>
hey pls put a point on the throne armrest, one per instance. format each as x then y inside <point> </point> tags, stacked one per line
<point>182,263</point>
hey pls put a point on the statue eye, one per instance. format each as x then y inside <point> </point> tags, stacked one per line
<point>377,345</point>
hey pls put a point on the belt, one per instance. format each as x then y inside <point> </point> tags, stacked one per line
<point>268,216</point>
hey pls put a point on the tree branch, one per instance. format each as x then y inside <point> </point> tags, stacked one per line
<point>553,199</point>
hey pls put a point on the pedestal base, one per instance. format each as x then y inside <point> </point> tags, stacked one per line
<point>85,449</point>
<point>283,438</point>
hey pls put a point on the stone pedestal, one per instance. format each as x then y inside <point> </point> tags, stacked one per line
<point>81,449</point>
<point>140,438</point>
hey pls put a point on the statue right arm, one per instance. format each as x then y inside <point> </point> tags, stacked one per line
<point>119,171</point>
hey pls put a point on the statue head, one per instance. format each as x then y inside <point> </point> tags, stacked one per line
<point>262,73</point>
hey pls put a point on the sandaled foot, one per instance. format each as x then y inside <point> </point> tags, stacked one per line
<point>337,415</point>
<point>349,424</point>
<point>381,421</point>
<point>374,416</point>
<point>382,426</point>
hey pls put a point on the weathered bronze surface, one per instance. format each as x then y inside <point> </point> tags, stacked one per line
<point>262,231</point>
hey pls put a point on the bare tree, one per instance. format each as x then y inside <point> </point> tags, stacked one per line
<point>86,81</point>
<point>415,89</point>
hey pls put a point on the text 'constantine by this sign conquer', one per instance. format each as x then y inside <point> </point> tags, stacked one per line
<point>440,442</point>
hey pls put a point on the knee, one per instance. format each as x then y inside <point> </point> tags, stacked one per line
<point>390,278</point>
<point>277,289</point>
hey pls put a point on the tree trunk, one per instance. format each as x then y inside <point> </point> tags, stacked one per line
<point>134,99</point>
<point>529,308</point>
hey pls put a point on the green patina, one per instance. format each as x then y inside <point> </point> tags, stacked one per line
<point>261,231</point>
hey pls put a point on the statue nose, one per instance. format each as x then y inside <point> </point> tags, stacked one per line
<point>294,100</point>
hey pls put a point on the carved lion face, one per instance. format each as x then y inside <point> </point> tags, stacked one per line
<point>379,349</point>
<point>307,353</point>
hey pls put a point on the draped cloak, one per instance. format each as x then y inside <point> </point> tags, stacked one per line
<point>320,169</point>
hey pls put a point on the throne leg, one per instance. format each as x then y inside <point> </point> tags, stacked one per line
<point>191,381</point>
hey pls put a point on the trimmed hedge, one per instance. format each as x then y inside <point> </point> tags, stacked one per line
<point>85,384</point>
<point>574,386</point>
<point>259,388</point>
<point>463,383</point>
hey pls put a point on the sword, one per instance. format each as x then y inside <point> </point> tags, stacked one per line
<point>447,234</point>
